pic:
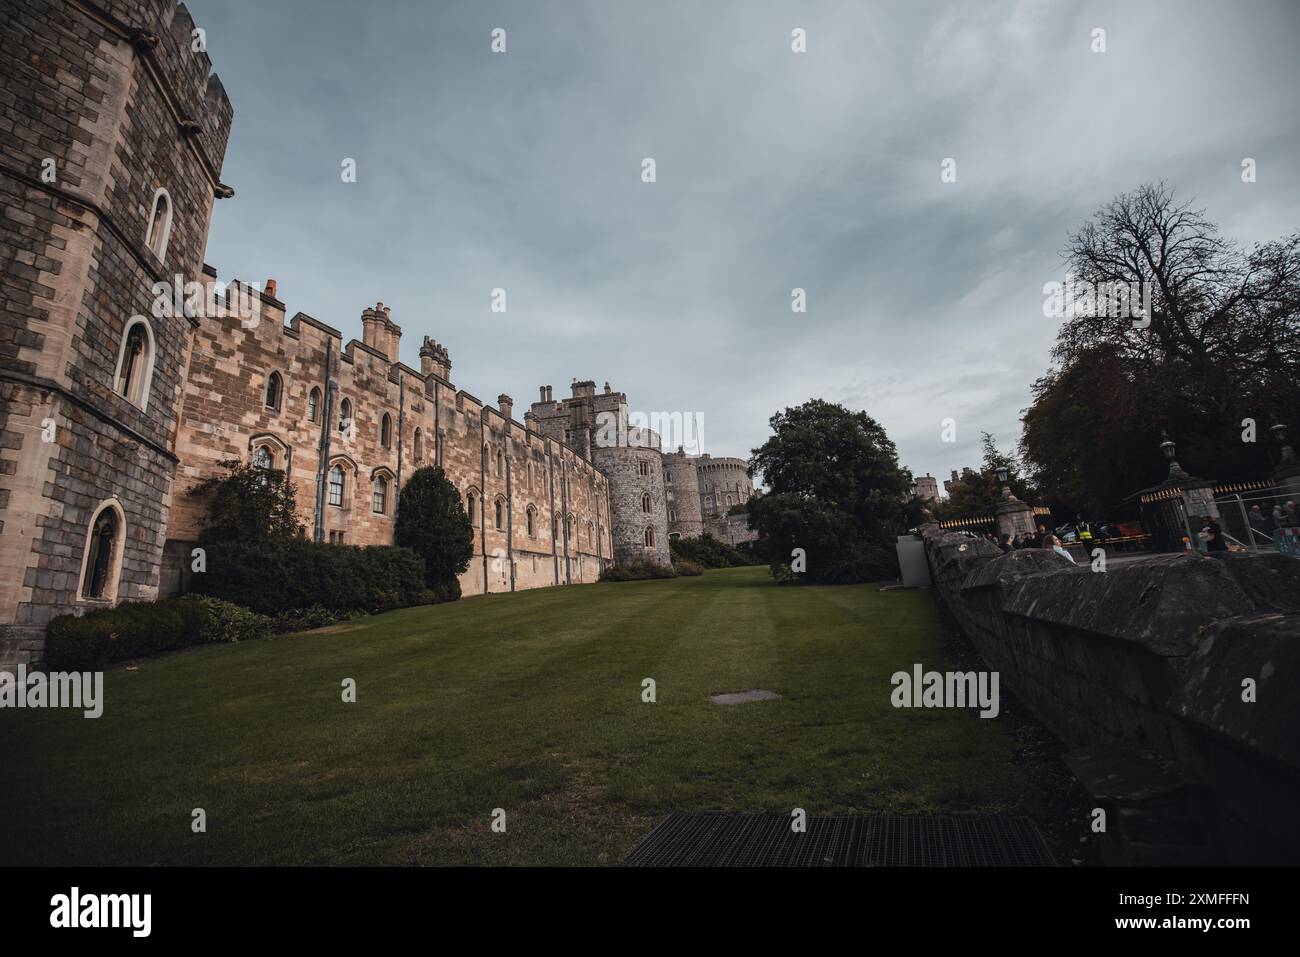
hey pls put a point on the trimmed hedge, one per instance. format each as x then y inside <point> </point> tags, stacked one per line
<point>272,577</point>
<point>637,571</point>
<point>707,552</point>
<point>688,568</point>
<point>92,641</point>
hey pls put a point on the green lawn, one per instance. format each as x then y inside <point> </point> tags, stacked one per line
<point>529,702</point>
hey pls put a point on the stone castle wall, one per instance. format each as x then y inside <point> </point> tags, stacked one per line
<point>105,105</point>
<point>1149,658</point>
<point>597,424</point>
<point>489,457</point>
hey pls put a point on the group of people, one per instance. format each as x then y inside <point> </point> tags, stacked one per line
<point>1043,539</point>
<point>1283,516</point>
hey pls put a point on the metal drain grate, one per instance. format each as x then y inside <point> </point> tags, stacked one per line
<point>882,840</point>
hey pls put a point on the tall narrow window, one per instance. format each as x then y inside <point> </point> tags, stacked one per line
<point>645,502</point>
<point>532,522</point>
<point>501,467</point>
<point>274,389</point>
<point>313,405</point>
<point>649,537</point>
<point>470,501</point>
<point>345,416</point>
<point>501,514</point>
<point>135,363</point>
<point>380,504</point>
<point>386,431</point>
<point>418,445</point>
<point>336,486</point>
<point>160,225</point>
<point>101,555</point>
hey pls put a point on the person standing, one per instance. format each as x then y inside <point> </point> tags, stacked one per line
<point>1258,524</point>
<point>1212,535</point>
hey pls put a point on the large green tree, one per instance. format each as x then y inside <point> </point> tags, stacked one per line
<point>248,504</point>
<point>835,490</point>
<point>1221,346</point>
<point>431,521</point>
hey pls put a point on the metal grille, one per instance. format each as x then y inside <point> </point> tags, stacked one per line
<point>884,840</point>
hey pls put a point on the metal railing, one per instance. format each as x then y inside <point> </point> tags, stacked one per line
<point>1261,520</point>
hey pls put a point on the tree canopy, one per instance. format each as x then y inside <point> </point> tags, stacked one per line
<point>248,504</point>
<point>431,521</point>
<point>1219,347</point>
<point>836,491</point>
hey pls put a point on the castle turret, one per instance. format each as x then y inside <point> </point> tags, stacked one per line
<point>682,490</point>
<point>505,405</point>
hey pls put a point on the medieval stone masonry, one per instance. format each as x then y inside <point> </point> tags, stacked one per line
<point>112,406</point>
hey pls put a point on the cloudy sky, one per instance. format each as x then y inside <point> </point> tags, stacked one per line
<point>775,170</point>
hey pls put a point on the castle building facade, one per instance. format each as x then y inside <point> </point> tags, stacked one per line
<point>121,389</point>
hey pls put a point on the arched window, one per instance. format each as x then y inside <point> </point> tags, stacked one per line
<point>471,500</point>
<point>645,502</point>
<point>313,405</point>
<point>501,513</point>
<point>274,389</point>
<point>643,468</point>
<point>380,503</point>
<point>590,539</point>
<point>418,445</point>
<point>386,431</point>
<point>345,416</point>
<point>336,486</point>
<point>160,225</point>
<point>649,536</point>
<point>135,363</point>
<point>262,458</point>
<point>532,522</point>
<point>102,558</point>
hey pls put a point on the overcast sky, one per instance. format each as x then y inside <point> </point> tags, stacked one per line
<point>775,170</point>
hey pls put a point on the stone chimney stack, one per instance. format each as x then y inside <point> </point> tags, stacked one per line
<point>270,288</point>
<point>434,359</point>
<point>394,338</point>
<point>541,394</point>
<point>505,405</point>
<point>374,331</point>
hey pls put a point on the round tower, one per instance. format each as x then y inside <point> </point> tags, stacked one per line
<point>637,499</point>
<point>682,490</point>
<point>724,482</point>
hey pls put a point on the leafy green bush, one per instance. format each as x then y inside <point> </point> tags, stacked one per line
<point>274,576</point>
<point>686,567</point>
<point>784,574</point>
<point>707,552</point>
<point>225,621</point>
<point>305,619</point>
<point>443,591</point>
<point>99,638</point>
<point>636,571</point>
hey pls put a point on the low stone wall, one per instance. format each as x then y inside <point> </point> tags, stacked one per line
<point>1150,657</point>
